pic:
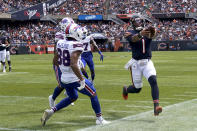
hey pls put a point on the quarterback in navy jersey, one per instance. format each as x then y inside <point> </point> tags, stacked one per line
<point>140,65</point>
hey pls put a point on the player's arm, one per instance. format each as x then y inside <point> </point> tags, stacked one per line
<point>136,37</point>
<point>74,65</point>
<point>95,45</point>
<point>55,58</point>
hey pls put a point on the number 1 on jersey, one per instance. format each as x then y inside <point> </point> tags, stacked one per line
<point>143,46</point>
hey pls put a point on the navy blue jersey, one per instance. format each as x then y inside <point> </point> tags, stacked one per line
<point>140,49</point>
<point>8,47</point>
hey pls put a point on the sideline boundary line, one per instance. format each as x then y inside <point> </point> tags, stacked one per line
<point>133,117</point>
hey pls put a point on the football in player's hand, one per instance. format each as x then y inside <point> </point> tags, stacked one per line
<point>152,31</point>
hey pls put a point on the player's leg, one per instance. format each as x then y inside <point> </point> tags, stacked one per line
<point>90,91</point>
<point>84,63</point>
<point>136,78</point>
<point>8,60</point>
<point>58,89</point>
<point>3,58</point>
<point>150,74</point>
<point>71,89</point>
<point>91,65</point>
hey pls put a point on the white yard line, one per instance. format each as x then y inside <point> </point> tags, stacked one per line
<point>135,106</point>
<point>68,123</point>
<point>118,111</point>
<point>18,129</point>
<point>172,99</point>
<point>178,117</point>
<point>191,92</point>
<point>186,95</point>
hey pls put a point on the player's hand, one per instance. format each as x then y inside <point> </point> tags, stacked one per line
<point>82,85</point>
<point>101,56</point>
<point>145,33</point>
<point>126,34</point>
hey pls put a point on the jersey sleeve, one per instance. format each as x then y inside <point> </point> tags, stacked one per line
<point>78,47</point>
<point>129,38</point>
<point>59,36</point>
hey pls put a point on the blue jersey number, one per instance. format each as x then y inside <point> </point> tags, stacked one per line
<point>63,57</point>
<point>86,46</point>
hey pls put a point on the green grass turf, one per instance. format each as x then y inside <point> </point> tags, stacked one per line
<point>24,91</point>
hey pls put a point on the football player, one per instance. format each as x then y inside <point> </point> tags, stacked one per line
<point>141,64</point>
<point>67,57</point>
<point>87,56</point>
<point>3,42</point>
<point>59,36</point>
<point>8,54</point>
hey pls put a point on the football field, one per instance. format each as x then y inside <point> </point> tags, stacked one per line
<point>24,95</point>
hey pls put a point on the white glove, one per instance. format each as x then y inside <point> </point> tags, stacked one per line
<point>82,85</point>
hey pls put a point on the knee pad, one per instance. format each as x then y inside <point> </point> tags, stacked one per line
<point>152,79</point>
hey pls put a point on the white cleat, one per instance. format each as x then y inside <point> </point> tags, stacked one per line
<point>4,71</point>
<point>47,114</point>
<point>65,93</point>
<point>51,101</point>
<point>101,121</point>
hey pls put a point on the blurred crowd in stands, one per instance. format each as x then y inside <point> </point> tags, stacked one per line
<point>154,6</point>
<point>39,32</point>
<point>13,5</point>
<point>78,7</point>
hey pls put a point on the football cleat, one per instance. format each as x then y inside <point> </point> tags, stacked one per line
<point>51,101</point>
<point>47,114</point>
<point>4,71</point>
<point>101,121</point>
<point>125,93</point>
<point>157,110</point>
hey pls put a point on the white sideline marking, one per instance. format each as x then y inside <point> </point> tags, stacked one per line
<point>135,106</point>
<point>178,116</point>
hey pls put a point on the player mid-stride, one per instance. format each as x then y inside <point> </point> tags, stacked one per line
<point>87,56</point>
<point>141,65</point>
<point>68,52</point>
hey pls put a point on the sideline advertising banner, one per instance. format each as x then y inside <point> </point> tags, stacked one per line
<point>90,17</point>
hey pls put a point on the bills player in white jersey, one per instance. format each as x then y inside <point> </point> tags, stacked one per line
<point>67,57</point>
<point>87,56</point>
<point>59,36</point>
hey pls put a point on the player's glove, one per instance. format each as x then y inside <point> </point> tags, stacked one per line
<point>101,56</point>
<point>152,31</point>
<point>82,85</point>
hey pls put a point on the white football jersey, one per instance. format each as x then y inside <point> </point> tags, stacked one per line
<point>59,36</point>
<point>86,44</point>
<point>64,49</point>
